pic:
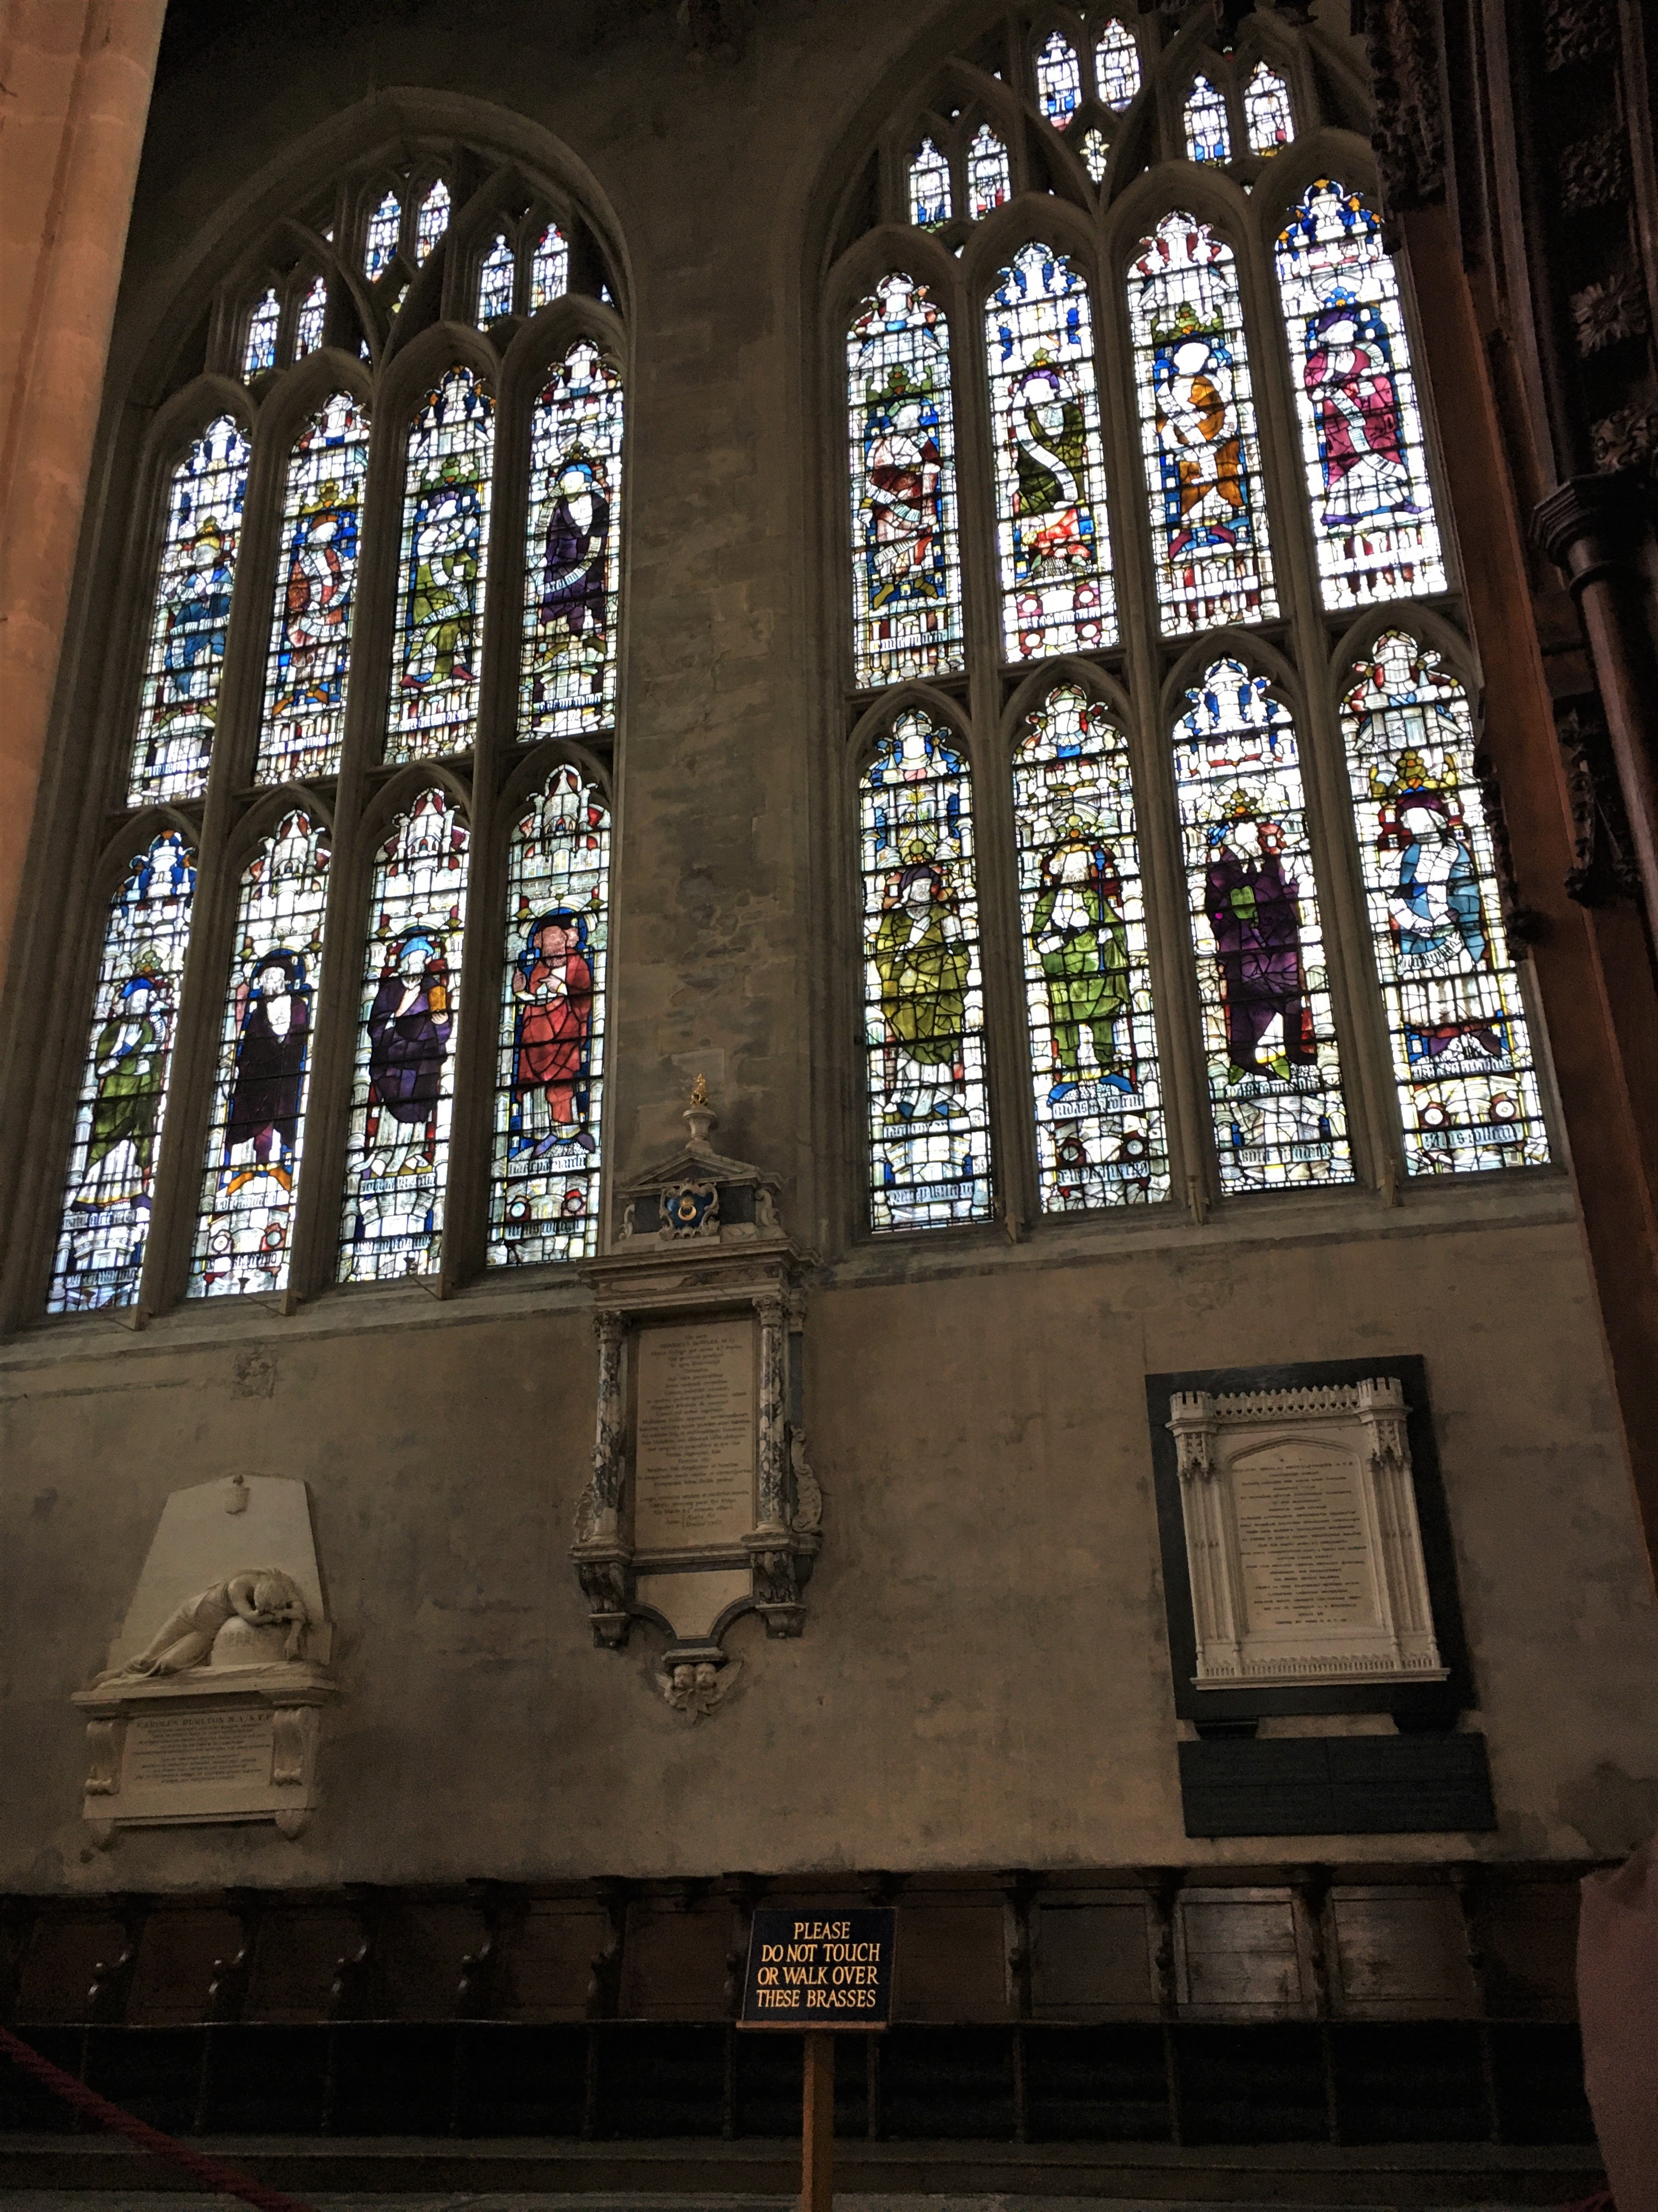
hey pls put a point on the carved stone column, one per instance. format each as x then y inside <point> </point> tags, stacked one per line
<point>601,1556</point>
<point>1207,1538</point>
<point>771,1458</point>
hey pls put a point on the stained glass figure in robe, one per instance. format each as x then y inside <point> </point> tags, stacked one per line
<point>1266,114</point>
<point>445,537</point>
<point>124,1088</point>
<point>907,574</point>
<point>253,1145</point>
<point>924,1005</point>
<point>1058,81</point>
<point>179,702</point>
<point>1361,426</point>
<point>1208,132</point>
<point>573,551</point>
<point>989,179</point>
<point>403,1089</point>
<point>385,231</point>
<point>1097,155</point>
<point>1462,1059</point>
<point>312,317</point>
<point>543,1193</point>
<point>1268,1031</point>
<point>549,269</point>
<point>1095,1089</point>
<point>929,203</point>
<point>1198,430</point>
<point>263,326</point>
<point>432,221</point>
<point>1052,536</point>
<point>1117,66</point>
<point>495,279</point>
<point>310,650</point>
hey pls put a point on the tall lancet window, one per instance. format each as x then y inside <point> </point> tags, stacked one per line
<point>1058,81</point>
<point>1456,1022</point>
<point>108,1199</point>
<point>989,179</point>
<point>1268,1031</point>
<point>906,567</point>
<point>1208,130</point>
<point>1117,66</point>
<point>309,655</point>
<point>404,1085</point>
<point>1198,430</point>
<point>1096,1092</point>
<point>435,660</point>
<point>572,550</point>
<point>544,1199</point>
<point>1267,112</point>
<point>929,203</point>
<point>249,1180</point>
<point>549,269</point>
<point>433,219</point>
<point>380,242</point>
<point>1052,538</point>
<point>264,323</point>
<point>1361,427</point>
<point>929,1115</point>
<point>190,616</point>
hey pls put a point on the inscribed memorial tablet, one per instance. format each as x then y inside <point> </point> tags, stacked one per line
<point>1302,1543</point>
<point>694,1454</point>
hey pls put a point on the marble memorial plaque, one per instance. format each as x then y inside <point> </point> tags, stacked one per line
<point>190,1751</point>
<point>694,1454</point>
<point>205,1761</point>
<point>1302,1543</point>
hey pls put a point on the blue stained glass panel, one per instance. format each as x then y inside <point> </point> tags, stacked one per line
<point>1203,119</point>
<point>1117,66</point>
<point>403,1084</point>
<point>314,315</point>
<point>1362,440</point>
<point>1268,1031</point>
<point>446,543</point>
<point>907,571</point>
<point>543,1200</point>
<point>179,701</point>
<point>254,1142</point>
<point>549,269</point>
<point>1052,536</point>
<point>262,328</point>
<point>572,550</point>
<point>1198,431</point>
<point>309,656</point>
<point>924,996</point>
<point>384,230</point>
<point>105,1223</point>
<point>1096,1092</point>
<point>432,221</point>
<point>495,281</point>
<point>1058,81</point>
<point>1456,1021</point>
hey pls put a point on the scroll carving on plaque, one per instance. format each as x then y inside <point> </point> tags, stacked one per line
<point>1302,1537</point>
<point>700,1507</point>
<point>208,1711</point>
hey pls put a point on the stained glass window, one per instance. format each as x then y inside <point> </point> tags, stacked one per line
<point>1463,1060</point>
<point>446,539</point>
<point>1266,113</point>
<point>1058,81</point>
<point>1117,66</point>
<point>432,221</point>
<point>543,1196</point>
<point>262,328</point>
<point>309,654</point>
<point>1208,133</point>
<point>929,203</point>
<point>1361,427</point>
<point>907,574</point>
<point>1198,430</point>
<point>314,315</point>
<point>179,702</point>
<point>1097,1096</point>
<point>403,1089</point>
<point>1052,536</point>
<point>1095,154</point>
<point>253,1143</point>
<point>118,1123</point>
<point>989,180</point>
<point>384,229</point>
<point>549,269</point>
<point>572,550</point>
<point>1268,1032</point>
<point>496,281</point>
<point>923,997</point>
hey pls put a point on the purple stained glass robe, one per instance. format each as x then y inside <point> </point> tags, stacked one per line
<point>572,573</point>
<point>407,1042</point>
<point>1254,914</point>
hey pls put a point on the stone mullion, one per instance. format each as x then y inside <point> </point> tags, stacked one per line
<point>1007,1051</point>
<point>1189,1124</point>
<point>1373,1135</point>
<point>230,770</point>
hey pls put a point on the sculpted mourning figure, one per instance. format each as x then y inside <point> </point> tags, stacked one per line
<point>264,1597</point>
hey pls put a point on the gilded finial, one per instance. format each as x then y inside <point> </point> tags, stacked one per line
<point>700,1091</point>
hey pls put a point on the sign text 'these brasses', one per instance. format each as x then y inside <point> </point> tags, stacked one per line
<point>820,1968</point>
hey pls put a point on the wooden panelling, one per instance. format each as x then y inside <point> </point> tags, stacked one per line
<point>1527,1932</point>
<point>1239,1955</point>
<point>951,1963</point>
<point>177,1954</point>
<point>59,1969</point>
<point>548,1962</point>
<point>674,1965</point>
<point>1094,1961</point>
<point>295,1958</point>
<point>1401,1954</point>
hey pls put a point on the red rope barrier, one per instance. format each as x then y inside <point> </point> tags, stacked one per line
<point>224,2178</point>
